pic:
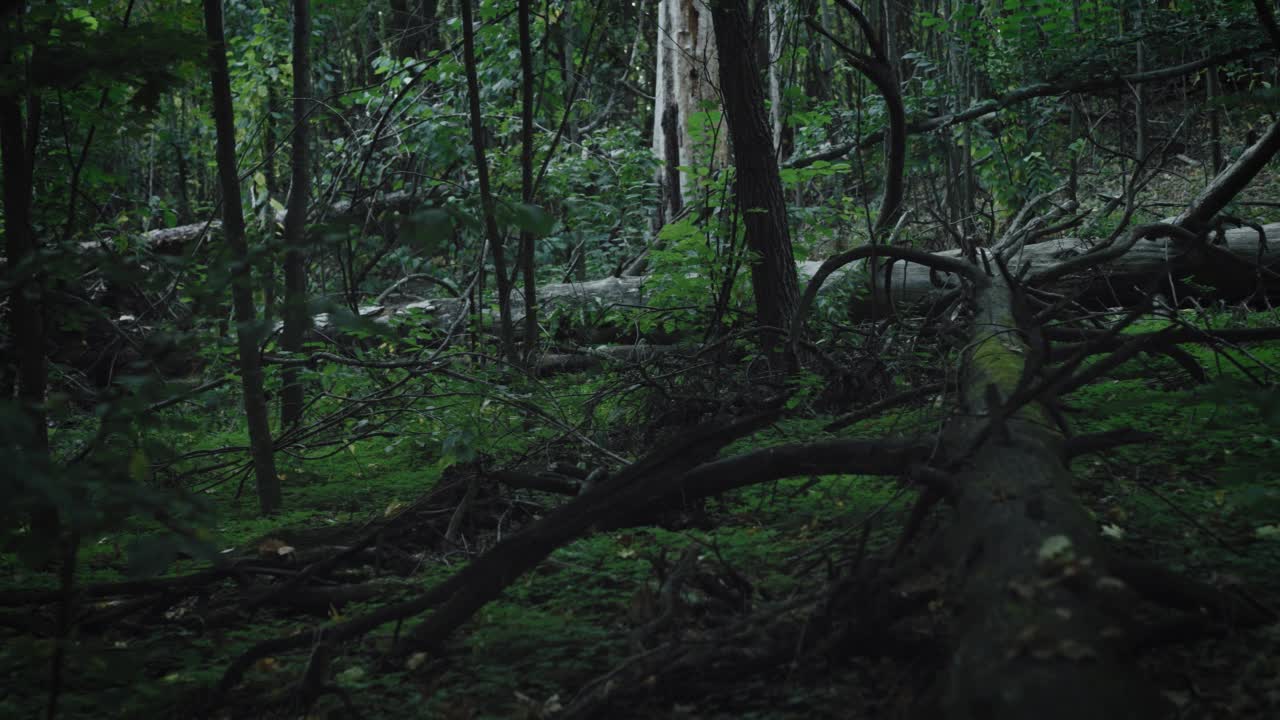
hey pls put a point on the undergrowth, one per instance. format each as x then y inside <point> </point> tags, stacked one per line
<point>1200,497</point>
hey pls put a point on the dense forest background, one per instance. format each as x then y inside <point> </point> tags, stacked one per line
<point>640,358</point>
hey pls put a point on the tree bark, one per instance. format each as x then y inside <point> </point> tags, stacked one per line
<point>777,27</point>
<point>526,177</point>
<point>401,29</point>
<point>1032,640</point>
<point>267,214</point>
<point>1215,118</point>
<point>687,59</point>
<point>413,29</point>
<point>296,318</point>
<point>26,313</point>
<point>494,236</point>
<point>880,67</point>
<point>1044,622</point>
<point>255,403</point>
<point>1141,141</point>
<point>757,185</point>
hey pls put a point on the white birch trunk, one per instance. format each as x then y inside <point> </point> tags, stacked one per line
<point>687,64</point>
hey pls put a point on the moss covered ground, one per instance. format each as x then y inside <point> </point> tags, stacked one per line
<point>1202,497</point>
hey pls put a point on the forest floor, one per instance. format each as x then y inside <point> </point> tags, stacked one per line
<point>1203,499</point>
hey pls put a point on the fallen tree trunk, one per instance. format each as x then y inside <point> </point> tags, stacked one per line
<point>910,283</point>
<point>1044,618</point>
<point>168,241</point>
<point>1042,614</point>
<point>1032,639</point>
<point>594,295</point>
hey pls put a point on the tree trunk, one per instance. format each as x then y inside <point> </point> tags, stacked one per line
<point>267,214</point>
<point>1142,142</point>
<point>427,11</point>
<point>911,284</point>
<point>494,236</point>
<point>255,403</point>
<point>1073,173</point>
<point>29,379</point>
<point>412,28</point>
<point>174,240</point>
<point>401,37</point>
<point>1212,93</point>
<point>1031,638</point>
<point>296,318</point>
<point>687,61</point>
<point>773,57</point>
<point>567,52</point>
<point>26,313</point>
<point>526,177</point>
<point>756,182</point>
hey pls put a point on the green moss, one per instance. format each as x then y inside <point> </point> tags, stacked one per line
<point>1000,361</point>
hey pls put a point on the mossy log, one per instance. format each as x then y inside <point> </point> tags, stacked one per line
<point>1034,637</point>
<point>910,283</point>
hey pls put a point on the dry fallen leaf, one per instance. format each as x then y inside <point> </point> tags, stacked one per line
<point>416,661</point>
<point>270,547</point>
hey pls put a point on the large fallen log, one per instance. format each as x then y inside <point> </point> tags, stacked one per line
<point>598,295</point>
<point>1044,617</point>
<point>1033,639</point>
<point>167,241</point>
<point>910,283</point>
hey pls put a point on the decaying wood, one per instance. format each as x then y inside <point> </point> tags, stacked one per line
<point>910,283</point>
<point>174,239</point>
<point>1029,573</point>
<point>1043,627</point>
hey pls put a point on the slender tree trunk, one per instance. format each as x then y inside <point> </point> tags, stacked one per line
<point>255,403</point>
<point>665,134</point>
<point>674,199</point>
<point>1140,97</point>
<point>430,25</point>
<point>880,68</point>
<point>826,88</point>
<point>413,31</point>
<point>1215,118</point>
<point>501,279</point>
<point>687,60</point>
<point>756,182</point>
<point>401,29</point>
<point>267,213</point>
<point>185,212</point>
<point>526,178</point>
<point>777,25</point>
<point>296,317</point>
<point>1073,177</point>
<point>566,58</point>
<point>26,313</point>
